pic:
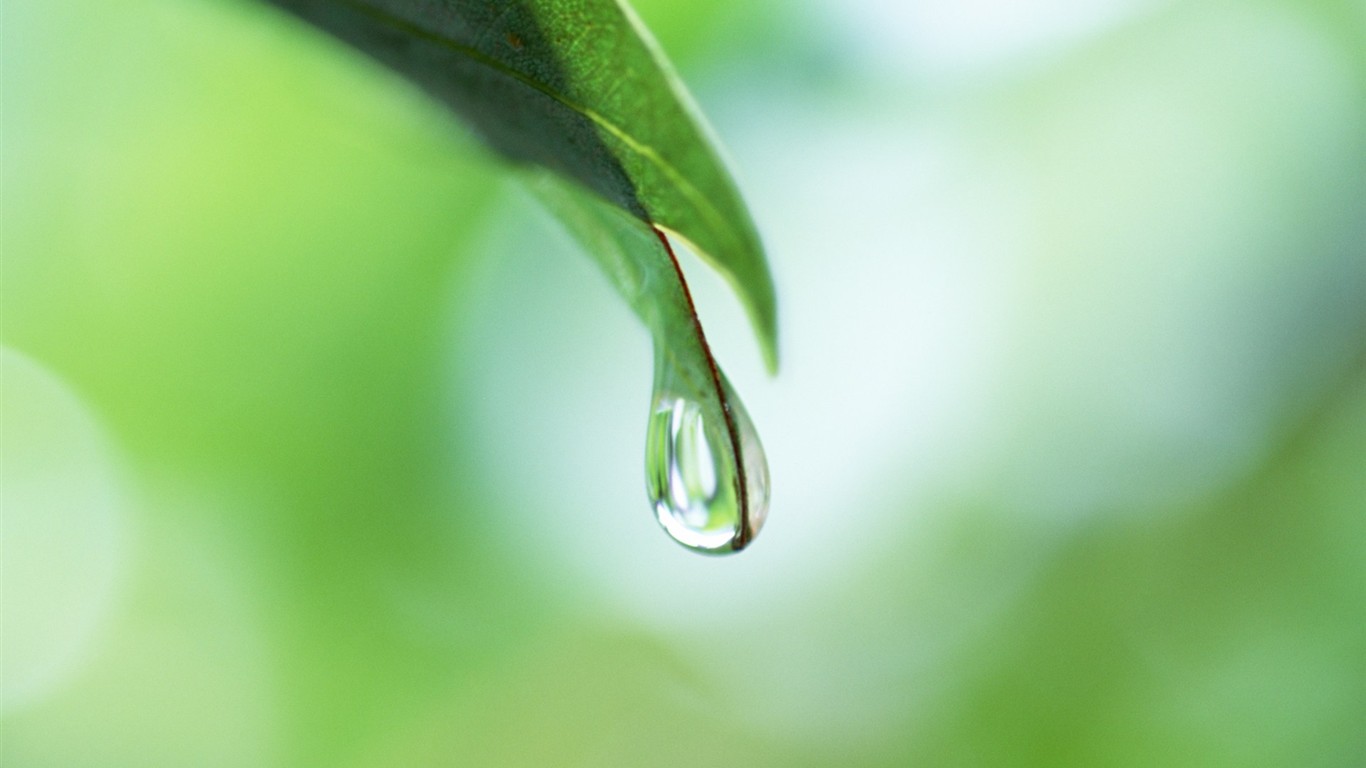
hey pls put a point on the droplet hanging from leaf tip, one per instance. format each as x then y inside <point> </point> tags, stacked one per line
<point>706,472</point>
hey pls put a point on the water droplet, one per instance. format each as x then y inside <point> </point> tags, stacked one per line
<point>702,496</point>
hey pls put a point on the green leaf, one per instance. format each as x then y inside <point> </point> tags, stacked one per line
<point>575,90</point>
<point>576,87</point>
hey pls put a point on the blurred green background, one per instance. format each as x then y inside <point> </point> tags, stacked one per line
<point>322,444</point>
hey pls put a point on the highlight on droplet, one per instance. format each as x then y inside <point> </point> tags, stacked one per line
<point>706,473</point>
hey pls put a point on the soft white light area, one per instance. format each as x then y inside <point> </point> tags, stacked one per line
<point>1174,190</point>
<point>61,531</point>
<point>944,38</point>
<point>181,673</point>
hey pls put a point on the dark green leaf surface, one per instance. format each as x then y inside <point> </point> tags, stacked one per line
<point>577,87</point>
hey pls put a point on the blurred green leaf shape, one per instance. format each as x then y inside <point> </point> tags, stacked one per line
<point>577,90</point>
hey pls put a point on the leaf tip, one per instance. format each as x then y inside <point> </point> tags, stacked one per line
<point>768,346</point>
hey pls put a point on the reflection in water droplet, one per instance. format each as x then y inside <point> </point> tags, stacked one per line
<point>703,497</point>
